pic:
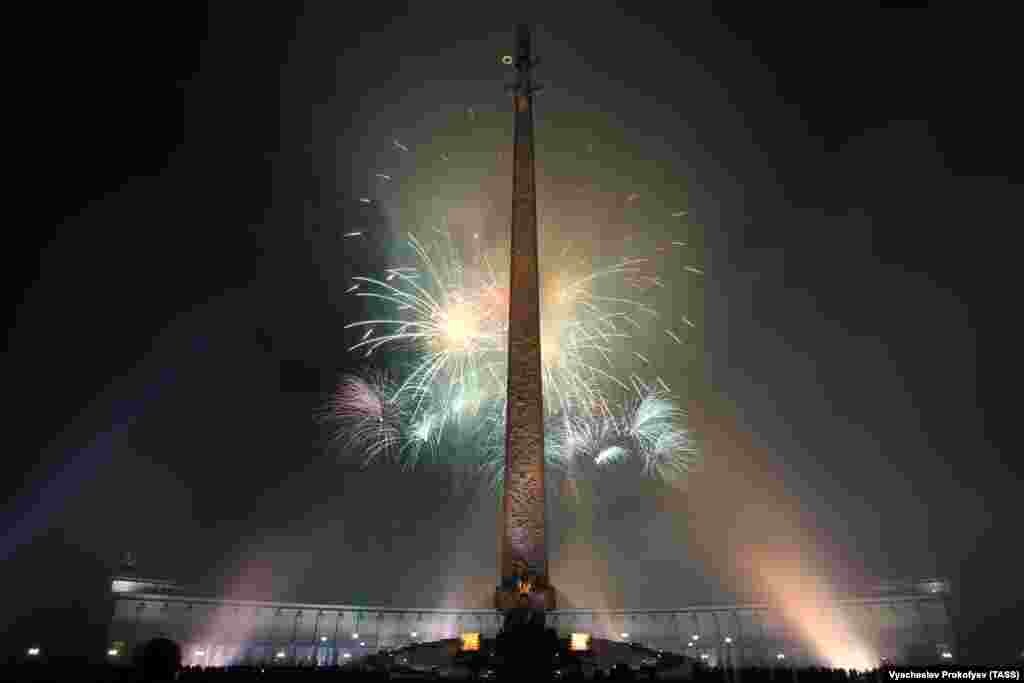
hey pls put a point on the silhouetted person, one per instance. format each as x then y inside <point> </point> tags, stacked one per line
<point>160,660</point>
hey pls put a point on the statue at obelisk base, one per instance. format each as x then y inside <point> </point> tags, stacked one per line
<point>523,552</point>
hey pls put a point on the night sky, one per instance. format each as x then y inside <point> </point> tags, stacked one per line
<point>177,304</point>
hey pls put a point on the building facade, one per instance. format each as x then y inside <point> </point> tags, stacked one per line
<point>906,623</point>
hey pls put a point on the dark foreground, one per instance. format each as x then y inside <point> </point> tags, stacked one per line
<point>39,672</point>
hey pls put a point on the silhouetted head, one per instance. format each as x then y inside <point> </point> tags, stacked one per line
<point>161,658</point>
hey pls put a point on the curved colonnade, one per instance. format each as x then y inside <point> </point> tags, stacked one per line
<point>216,632</point>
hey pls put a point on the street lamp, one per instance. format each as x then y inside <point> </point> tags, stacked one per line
<point>728,640</point>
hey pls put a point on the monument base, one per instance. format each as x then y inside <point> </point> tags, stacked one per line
<point>541,597</point>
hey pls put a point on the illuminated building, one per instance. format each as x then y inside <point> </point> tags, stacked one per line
<point>904,623</point>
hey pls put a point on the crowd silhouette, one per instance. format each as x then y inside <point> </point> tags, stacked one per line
<point>524,651</point>
<point>38,673</point>
<point>525,669</point>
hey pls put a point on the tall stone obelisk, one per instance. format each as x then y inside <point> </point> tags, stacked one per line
<point>523,559</point>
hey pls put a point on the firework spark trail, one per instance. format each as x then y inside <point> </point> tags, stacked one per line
<point>464,327</point>
<point>366,415</point>
<point>457,322</point>
<point>447,315</point>
<point>445,321</point>
<point>651,430</point>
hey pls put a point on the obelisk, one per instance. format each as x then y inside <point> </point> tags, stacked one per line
<point>523,557</point>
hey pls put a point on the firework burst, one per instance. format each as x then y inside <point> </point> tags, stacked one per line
<point>456,315</point>
<point>364,414</point>
<point>440,323</point>
<point>650,430</point>
<point>453,317</point>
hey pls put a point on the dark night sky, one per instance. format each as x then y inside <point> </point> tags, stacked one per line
<point>171,326</point>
